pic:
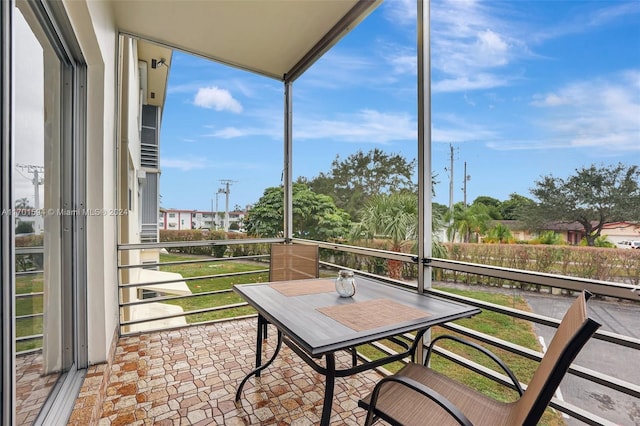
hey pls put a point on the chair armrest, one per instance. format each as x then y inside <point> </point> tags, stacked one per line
<point>482,349</point>
<point>418,387</point>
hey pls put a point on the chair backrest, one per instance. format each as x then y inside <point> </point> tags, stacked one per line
<point>573,332</point>
<point>293,262</point>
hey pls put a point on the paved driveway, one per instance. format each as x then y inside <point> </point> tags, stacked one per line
<point>601,356</point>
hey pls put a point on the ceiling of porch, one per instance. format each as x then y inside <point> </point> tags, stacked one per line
<point>275,38</point>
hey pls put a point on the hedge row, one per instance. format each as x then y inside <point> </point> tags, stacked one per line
<point>616,265</point>
<point>233,250</point>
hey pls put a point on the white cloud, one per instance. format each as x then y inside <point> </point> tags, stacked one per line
<point>471,47</point>
<point>550,99</point>
<point>216,98</point>
<point>184,88</point>
<point>492,50</point>
<point>469,82</point>
<point>595,113</point>
<point>401,59</point>
<point>454,129</point>
<point>365,126</point>
<point>341,68</point>
<point>401,11</point>
<point>229,133</point>
<point>232,132</point>
<point>582,22</point>
<point>185,165</point>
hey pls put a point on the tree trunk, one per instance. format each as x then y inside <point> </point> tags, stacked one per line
<point>395,269</point>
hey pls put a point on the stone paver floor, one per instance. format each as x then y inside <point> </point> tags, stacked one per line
<point>189,376</point>
<point>32,386</point>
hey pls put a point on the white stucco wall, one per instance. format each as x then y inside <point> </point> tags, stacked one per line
<point>94,27</point>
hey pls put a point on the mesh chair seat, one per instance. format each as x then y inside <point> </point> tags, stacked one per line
<point>398,403</point>
<point>293,262</point>
<point>417,395</point>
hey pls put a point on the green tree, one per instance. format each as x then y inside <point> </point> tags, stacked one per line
<point>592,197</point>
<point>468,223</point>
<point>354,180</point>
<point>499,234</point>
<point>24,228</point>
<point>439,211</point>
<point>315,216</point>
<point>493,206</point>
<point>512,208</point>
<point>23,204</point>
<point>392,217</point>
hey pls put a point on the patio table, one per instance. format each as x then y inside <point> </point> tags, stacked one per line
<point>315,322</point>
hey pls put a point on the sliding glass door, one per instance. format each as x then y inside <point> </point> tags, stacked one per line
<point>46,226</point>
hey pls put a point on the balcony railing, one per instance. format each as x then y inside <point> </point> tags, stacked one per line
<point>28,270</point>
<point>224,305</point>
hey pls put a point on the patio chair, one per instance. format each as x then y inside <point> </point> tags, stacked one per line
<point>293,262</point>
<point>296,262</point>
<point>418,395</point>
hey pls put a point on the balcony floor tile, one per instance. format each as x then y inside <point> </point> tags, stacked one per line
<point>189,376</point>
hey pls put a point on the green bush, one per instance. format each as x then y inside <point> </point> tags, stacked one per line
<point>584,262</point>
<point>33,261</point>
<point>599,242</point>
<point>548,237</point>
<point>189,235</point>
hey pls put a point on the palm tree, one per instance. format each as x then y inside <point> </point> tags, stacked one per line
<point>23,204</point>
<point>500,234</point>
<point>393,217</point>
<point>468,222</point>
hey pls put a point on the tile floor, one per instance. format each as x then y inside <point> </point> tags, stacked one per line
<point>189,376</point>
<point>32,387</point>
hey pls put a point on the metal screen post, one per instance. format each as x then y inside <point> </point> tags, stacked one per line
<point>425,227</point>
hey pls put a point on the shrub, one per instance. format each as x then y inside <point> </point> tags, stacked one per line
<point>585,262</point>
<point>599,242</point>
<point>549,238</point>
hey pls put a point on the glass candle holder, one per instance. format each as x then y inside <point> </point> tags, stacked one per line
<point>346,284</point>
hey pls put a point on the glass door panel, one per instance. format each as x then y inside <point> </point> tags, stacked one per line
<point>38,134</point>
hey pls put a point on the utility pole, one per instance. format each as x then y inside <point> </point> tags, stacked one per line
<point>37,180</point>
<point>226,191</point>
<point>217,220</point>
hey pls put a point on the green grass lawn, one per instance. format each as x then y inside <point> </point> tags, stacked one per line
<point>213,284</point>
<point>26,284</point>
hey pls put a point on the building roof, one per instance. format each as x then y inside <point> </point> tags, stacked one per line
<point>622,225</point>
<point>275,38</point>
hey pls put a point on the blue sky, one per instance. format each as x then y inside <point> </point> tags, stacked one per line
<point>520,89</point>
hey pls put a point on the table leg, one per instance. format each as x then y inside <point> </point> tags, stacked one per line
<point>328,389</point>
<point>260,335</point>
<point>256,371</point>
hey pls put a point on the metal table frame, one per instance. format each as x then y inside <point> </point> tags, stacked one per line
<point>269,303</point>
